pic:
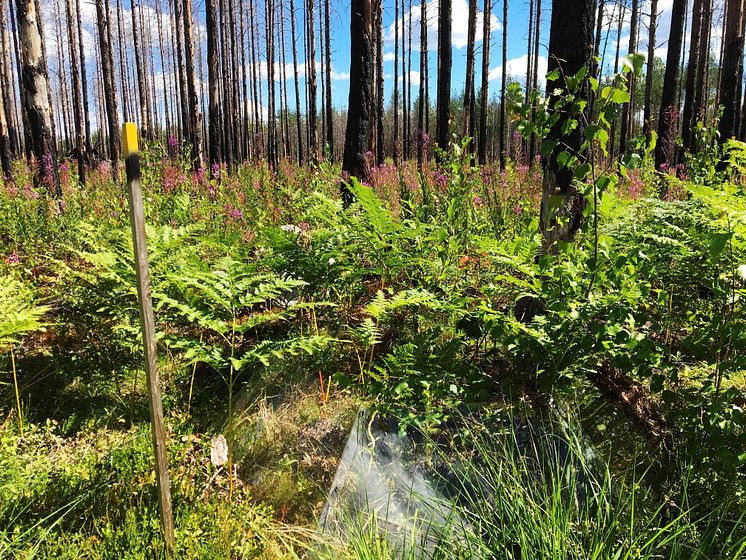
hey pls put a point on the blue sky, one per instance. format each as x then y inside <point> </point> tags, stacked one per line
<point>518,16</point>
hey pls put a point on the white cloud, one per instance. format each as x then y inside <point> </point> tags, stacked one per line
<point>459,26</point>
<point>517,70</point>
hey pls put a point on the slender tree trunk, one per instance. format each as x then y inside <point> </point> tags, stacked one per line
<point>213,80</point>
<point>166,68</point>
<point>145,121</point>
<point>469,86</point>
<point>195,118</point>
<point>254,82</point>
<point>484,91</point>
<point>296,84</point>
<point>6,84</point>
<point>535,80</point>
<point>427,70</point>
<point>612,135</point>
<point>689,119</point>
<point>380,139</point>
<point>235,90</point>
<point>444,72</point>
<point>328,57</point>
<point>408,114</point>
<point>77,95</point>
<point>246,147</point>
<point>648,109</point>
<point>571,47</point>
<point>396,81</point>
<point>732,69</point>
<point>184,98</point>
<point>284,80</point>
<point>628,110</point>
<point>360,106</point>
<point>313,147</point>
<point>35,83</point>
<point>598,66</point>
<point>122,65</point>
<point>701,90</point>
<point>529,49</point>
<point>503,87</point>
<point>63,99</point>
<point>421,108</point>
<point>271,114</point>
<point>110,98</point>
<point>6,160</point>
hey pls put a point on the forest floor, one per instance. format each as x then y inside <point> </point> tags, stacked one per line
<point>280,314</point>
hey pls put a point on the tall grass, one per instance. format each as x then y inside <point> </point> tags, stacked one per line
<point>538,491</point>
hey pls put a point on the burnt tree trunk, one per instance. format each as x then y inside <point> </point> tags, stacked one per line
<point>570,48</point>
<point>6,84</point>
<point>732,69</point>
<point>298,127</point>
<point>360,106</point>
<point>35,85</point>
<point>110,97</point>
<point>444,73</point>
<point>648,109</point>
<point>313,131</point>
<point>213,80</point>
<point>466,128</point>
<point>380,146</point>
<point>689,119</point>
<point>77,95</point>
<point>625,130</point>
<point>328,58</point>
<point>145,121</point>
<point>503,87</point>
<point>195,118</point>
<point>484,92</point>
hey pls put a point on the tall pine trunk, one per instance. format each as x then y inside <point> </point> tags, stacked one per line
<point>648,109</point>
<point>444,72</point>
<point>271,113</point>
<point>732,69</point>
<point>360,106</point>
<point>213,80</point>
<point>110,97</point>
<point>313,131</point>
<point>195,118</point>
<point>628,111</point>
<point>145,120</point>
<point>77,94</point>
<point>571,48</point>
<point>484,91</point>
<point>35,85</point>
<point>6,84</point>
<point>466,129</point>
<point>380,138</point>
<point>328,69</point>
<point>396,81</point>
<point>298,126</point>
<point>503,87</point>
<point>689,119</point>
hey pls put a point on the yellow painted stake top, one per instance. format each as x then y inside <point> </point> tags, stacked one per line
<point>129,139</point>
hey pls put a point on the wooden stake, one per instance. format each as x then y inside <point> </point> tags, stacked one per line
<point>137,221</point>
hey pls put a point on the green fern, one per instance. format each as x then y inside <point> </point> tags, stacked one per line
<point>20,315</point>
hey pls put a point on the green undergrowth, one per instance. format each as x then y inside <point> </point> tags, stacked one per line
<point>428,296</point>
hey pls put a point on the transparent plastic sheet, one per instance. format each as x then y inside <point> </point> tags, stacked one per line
<point>411,490</point>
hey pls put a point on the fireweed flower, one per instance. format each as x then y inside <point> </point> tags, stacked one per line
<point>215,171</point>
<point>12,258</point>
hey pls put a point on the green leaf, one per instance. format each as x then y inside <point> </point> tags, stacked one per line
<point>718,242</point>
